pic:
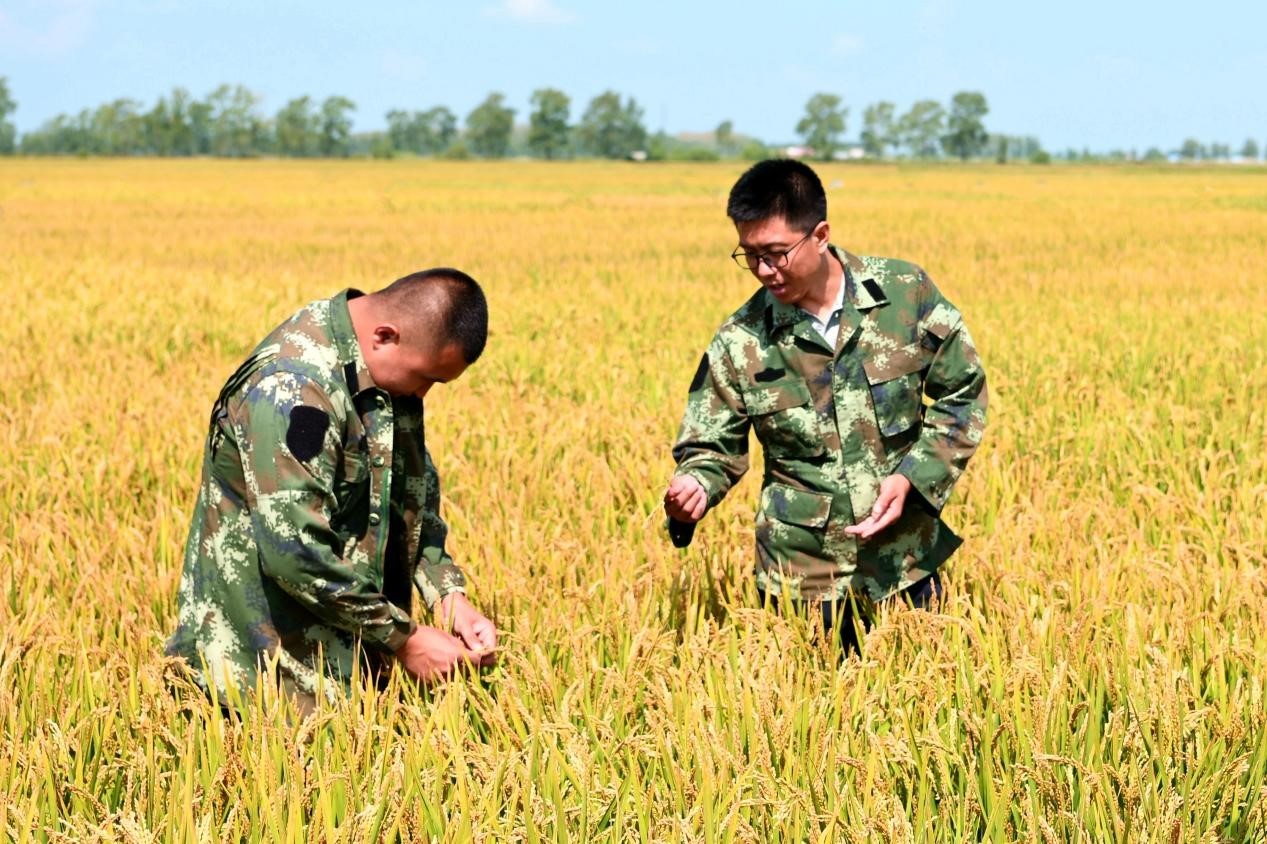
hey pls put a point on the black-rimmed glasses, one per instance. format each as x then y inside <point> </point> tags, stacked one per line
<point>774,259</point>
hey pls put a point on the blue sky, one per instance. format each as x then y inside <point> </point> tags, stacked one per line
<point>1074,73</point>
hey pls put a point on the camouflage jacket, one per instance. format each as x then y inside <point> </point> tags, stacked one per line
<point>903,392</point>
<point>318,506</point>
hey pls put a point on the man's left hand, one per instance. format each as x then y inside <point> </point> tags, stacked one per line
<point>887,509</point>
<point>459,615</point>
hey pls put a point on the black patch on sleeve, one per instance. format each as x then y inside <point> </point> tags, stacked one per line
<point>306,435</point>
<point>765,376</point>
<point>700,374</point>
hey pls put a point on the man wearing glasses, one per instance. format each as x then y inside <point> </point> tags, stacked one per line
<point>866,393</point>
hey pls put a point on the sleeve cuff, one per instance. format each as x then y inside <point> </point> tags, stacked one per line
<point>933,490</point>
<point>390,636</point>
<point>434,581</point>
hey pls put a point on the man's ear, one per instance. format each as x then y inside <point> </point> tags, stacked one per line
<point>822,234</point>
<point>386,334</point>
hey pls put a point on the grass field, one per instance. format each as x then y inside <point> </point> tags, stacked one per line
<point>1097,673</point>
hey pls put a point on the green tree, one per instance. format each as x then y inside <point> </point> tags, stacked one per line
<point>488,127</point>
<point>8,132</point>
<point>724,136</point>
<point>235,128</point>
<point>296,128</point>
<point>200,114</point>
<point>1191,149</point>
<point>117,128</point>
<point>336,126</point>
<point>919,129</point>
<point>754,150</point>
<point>406,131</point>
<point>440,129</point>
<point>878,128</point>
<point>170,126</point>
<point>965,133</point>
<point>59,136</point>
<point>1250,149</point>
<point>611,129</point>
<point>422,132</point>
<point>823,124</point>
<point>548,123</point>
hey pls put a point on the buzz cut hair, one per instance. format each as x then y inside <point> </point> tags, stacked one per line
<point>446,302</point>
<point>779,187</point>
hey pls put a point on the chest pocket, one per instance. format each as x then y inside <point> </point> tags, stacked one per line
<point>352,494</point>
<point>784,418</point>
<point>896,385</point>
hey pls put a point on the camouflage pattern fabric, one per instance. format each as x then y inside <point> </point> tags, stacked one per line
<point>318,505</point>
<point>903,392</point>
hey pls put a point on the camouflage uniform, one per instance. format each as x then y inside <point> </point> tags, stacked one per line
<point>319,504</point>
<point>833,425</point>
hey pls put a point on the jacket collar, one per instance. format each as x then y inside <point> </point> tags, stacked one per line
<point>862,292</point>
<point>355,372</point>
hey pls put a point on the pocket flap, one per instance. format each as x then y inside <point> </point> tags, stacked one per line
<point>796,506</point>
<point>887,365</point>
<point>768,398</point>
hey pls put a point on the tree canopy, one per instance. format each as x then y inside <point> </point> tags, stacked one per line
<point>823,124</point>
<point>548,123</point>
<point>610,128</point>
<point>488,127</point>
<point>966,136</point>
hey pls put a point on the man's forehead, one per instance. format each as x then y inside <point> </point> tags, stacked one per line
<point>772,231</point>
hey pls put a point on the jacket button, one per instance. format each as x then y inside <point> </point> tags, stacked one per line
<point>380,402</point>
<point>375,518</point>
<point>378,461</point>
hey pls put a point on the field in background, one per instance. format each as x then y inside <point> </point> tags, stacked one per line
<point>1097,674</point>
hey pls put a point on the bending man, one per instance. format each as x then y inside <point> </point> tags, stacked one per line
<point>319,507</point>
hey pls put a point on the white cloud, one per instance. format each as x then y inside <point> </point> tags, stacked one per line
<point>845,44</point>
<point>51,28</point>
<point>530,11</point>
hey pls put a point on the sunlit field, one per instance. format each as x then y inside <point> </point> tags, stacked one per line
<point>1096,672</point>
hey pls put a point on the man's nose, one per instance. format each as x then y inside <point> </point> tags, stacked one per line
<point>764,271</point>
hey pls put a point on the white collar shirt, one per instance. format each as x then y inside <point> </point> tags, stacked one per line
<point>829,329</point>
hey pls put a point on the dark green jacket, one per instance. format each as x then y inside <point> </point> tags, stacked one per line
<point>318,507</point>
<point>902,392</point>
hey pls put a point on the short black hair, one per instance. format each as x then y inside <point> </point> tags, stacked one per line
<point>445,301</point>
<point>779,187</point>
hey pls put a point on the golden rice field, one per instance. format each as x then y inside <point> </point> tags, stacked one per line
<point>1097,673</point>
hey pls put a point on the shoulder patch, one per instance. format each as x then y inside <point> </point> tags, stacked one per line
<point>700,374</point>
<point>874,289</point>
<point>306,434</point>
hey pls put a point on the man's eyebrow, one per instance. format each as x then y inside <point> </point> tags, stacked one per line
<point>764,247</point>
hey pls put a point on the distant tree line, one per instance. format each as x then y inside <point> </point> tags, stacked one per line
<point>927,130</point>
<point>229,122</point>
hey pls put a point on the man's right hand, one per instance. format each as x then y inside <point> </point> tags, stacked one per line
<point>430,654</point>
<point>686,499</point>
